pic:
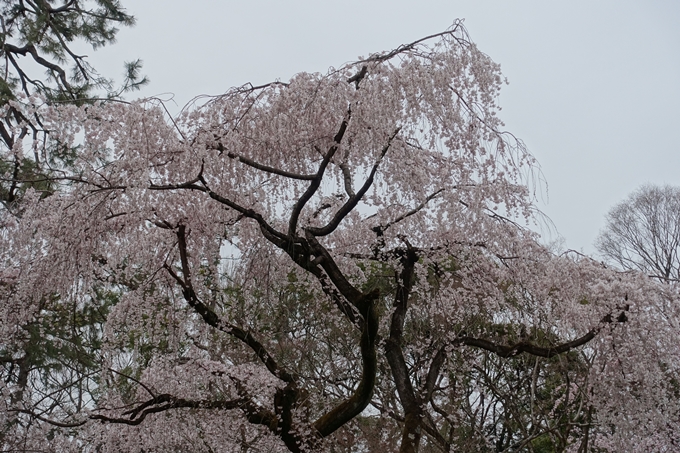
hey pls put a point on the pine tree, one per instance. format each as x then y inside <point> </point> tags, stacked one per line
<point>38,36</point>
<point>39,65</point>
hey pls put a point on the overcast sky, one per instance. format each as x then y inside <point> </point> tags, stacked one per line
<point>594,86</point>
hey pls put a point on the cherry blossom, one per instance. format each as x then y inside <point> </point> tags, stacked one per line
<point>333,263</point>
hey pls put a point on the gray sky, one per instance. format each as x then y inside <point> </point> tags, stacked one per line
<point>594,85</point>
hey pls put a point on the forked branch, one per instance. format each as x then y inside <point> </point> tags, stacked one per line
<point>353,201</point>
<point>316,182</point>
<point>212,319</point>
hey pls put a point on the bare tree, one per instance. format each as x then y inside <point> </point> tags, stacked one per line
<point>643,232</point>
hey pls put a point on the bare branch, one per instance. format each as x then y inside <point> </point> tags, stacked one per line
<point>30,49</point>
<point>407,47</point>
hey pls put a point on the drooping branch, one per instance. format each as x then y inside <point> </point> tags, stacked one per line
<point>359,76</point>
<point>191,184</point>
<point>302,259</point>
<point>340,301</point>
<point>51,422</point>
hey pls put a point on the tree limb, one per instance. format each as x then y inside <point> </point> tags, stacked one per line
<point>316,182</point>
<point>353,201</point>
